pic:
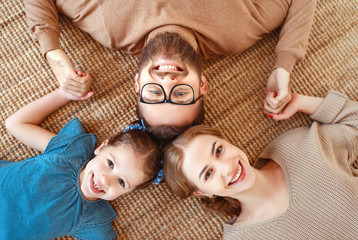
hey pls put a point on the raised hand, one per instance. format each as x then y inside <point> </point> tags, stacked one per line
<point>278,91</point>
<point>71,82</point>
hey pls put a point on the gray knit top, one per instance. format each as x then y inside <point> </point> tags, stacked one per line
<point>320,167</point>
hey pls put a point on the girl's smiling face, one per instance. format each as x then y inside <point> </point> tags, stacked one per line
<point>217,167</point>
<point>115,170</point>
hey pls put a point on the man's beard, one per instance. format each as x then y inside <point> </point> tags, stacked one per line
<point>170,46</point>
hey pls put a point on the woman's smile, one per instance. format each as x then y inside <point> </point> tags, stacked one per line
<point>239,174</point>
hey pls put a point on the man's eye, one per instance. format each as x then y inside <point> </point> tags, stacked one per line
<point>120,180</point>
<point>180,93</point>
<point>110,163</point>
<point>208,174</point>
<point>218,151</point>
<point>156,92</point>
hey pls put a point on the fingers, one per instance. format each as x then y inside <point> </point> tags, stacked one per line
<point>274,103</point>
<point>87,96</point>
<point>280,116</point>
<point>77,84</point>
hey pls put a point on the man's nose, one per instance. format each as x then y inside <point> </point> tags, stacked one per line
<point>168,77</point>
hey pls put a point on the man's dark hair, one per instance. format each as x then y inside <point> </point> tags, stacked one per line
<point>169,44</point>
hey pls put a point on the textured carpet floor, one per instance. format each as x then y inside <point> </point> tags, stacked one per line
<point>233,104</point>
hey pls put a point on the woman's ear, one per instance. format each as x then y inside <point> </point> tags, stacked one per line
<point>105,142</point>
<point>198,193</point>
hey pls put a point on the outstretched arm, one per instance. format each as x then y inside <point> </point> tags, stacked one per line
<point>291,48</point>
<point>44,26</point>
<point>24,123</point>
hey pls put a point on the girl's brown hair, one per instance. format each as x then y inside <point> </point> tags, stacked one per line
<point>173,156</point>
<point>143,145</point>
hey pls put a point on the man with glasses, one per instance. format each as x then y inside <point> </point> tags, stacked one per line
<point>171,35</point>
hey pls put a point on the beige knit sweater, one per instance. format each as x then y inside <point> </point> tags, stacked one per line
<point>320,166</point>
<point>213,27</point>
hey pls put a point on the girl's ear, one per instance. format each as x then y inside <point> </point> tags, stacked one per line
<point>105,142</point>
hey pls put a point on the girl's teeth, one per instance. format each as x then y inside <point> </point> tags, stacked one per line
<point>95,185</point>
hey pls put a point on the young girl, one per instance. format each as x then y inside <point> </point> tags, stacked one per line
<point>62,191</point>
<point>304,185</point>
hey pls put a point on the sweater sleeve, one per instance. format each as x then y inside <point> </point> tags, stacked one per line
<point>336,108</point>
<point>293,39</point>
<point>42,17</point>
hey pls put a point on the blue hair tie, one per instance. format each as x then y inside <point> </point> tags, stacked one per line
<point>159,177</point>
<point>136,126</point>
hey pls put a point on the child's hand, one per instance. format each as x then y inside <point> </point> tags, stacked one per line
<point>73,97</point>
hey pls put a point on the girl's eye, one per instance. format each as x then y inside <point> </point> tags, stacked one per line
<point>120,180</point>
<point>219,150</point>
<point>208,174</point>
<point>110,163</point>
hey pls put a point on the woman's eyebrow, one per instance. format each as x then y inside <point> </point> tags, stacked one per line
<point>213,148</point>
<point>206,167</point>
<point>202,171</point>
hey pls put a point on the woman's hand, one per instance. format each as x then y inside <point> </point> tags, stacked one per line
<point>278,91</point>
<point>298,103</point>
<point>291,108</point>
<point>71,82</point>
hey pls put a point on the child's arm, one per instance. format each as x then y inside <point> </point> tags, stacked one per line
<point>298,103</point>
<point>23,124</point>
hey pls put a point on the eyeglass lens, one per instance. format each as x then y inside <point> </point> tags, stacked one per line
<point>153,93</point>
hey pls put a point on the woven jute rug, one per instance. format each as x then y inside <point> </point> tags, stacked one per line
<point>233,103</point>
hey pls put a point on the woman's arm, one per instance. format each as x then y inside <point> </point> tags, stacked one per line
<point>24,123</point>
<point>298,103</point>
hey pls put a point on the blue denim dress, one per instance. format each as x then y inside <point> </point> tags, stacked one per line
<point>40,197</point>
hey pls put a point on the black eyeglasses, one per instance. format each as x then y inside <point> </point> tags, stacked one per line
<point>181,94</point>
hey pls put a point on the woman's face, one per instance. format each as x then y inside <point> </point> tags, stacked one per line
<point>217,167</point>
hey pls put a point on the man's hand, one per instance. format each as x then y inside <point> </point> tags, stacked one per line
<point>278,91</point>
<point>291,108</point>
<point>69,80</point>
<point>72,97</point>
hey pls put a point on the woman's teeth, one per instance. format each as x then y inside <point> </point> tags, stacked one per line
<point>237,175</point>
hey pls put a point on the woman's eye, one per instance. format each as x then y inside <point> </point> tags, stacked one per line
<point>218,151</point>
<point>120,180</point>
<point>208,174</point>
<point>110,163</point>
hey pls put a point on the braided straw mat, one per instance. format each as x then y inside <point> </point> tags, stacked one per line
<point>233,103</point>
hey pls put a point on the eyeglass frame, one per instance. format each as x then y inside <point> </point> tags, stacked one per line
<point>170,94</point>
